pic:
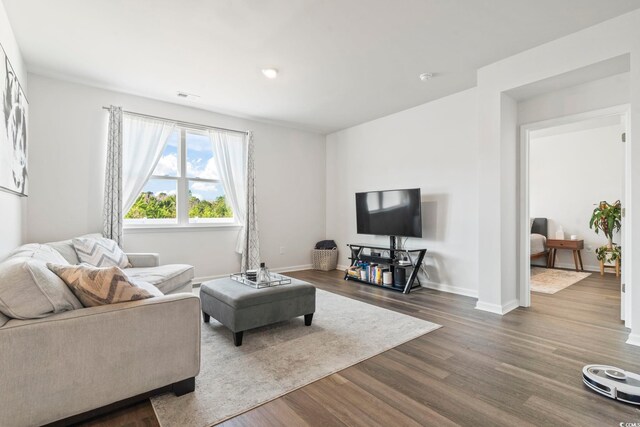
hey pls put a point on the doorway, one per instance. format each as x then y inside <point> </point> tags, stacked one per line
<point>567,166</point>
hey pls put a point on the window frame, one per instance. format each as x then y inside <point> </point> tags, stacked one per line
<point>182,195</point>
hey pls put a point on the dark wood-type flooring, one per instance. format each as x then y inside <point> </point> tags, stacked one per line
<point>480,369</point>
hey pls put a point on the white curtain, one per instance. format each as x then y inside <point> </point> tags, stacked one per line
<point>112,210</point>
<point>234,156</point>
<point>144,140</point>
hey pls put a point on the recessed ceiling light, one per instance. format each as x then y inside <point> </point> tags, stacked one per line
<point>426,76</point>
<point>270,73</point>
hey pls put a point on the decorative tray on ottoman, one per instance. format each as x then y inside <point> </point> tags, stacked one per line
<point>274,280</point>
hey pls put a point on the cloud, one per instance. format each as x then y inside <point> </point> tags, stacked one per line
<point>199,143</point>
<point>203,186</point>
<point>210,170</point>
<point>167,166</point>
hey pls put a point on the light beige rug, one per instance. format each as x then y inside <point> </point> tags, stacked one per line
<point>550,281</point>
<point>278,359</point>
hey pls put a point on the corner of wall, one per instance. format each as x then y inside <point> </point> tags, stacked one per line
<point>497,308</point>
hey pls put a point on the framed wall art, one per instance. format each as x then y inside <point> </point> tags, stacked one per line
<point>13,130</point>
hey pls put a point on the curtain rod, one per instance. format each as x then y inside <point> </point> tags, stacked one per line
<point>180,122</point>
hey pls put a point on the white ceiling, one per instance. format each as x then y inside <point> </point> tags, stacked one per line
<point>341,62</point>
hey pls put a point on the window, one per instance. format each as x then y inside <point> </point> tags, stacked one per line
<point>185,187</point>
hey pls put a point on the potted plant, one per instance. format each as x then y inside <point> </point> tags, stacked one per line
<point>607,218</point>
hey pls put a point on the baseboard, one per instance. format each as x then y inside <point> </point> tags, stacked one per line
<point>451,289</point>
<point>496,308</point>
<point>634,339</point>
<point>199,280</point>
<point>292,268</point>
<point>571,266</point>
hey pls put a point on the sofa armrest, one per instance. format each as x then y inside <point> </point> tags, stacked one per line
<point>140,260</point>
<point>76,361</point>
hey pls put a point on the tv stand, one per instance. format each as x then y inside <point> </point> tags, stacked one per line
<point>392,246</point>
<point>392,263</point>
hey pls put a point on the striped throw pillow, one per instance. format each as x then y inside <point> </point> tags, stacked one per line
<point>95,286</point>
<point>100,252</point>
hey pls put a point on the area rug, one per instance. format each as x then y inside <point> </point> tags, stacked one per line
<point>550,281</point>
<point>278,359</point>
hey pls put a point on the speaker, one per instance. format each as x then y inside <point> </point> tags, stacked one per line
<point>399,277</point>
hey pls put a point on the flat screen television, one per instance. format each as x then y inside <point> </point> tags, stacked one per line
<point>389,213</point>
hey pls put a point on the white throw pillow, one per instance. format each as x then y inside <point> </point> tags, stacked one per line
<point>100,252</point>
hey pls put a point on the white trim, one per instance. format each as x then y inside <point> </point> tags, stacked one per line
<point>634,339</point>
<point>496,308</point>
<point>524,232</point>
<point>451,289</point>
<point>199,280</point>
<point>177,228</point>
<point>625,306</point>
<point>291,268</point>
<point>523,238</point>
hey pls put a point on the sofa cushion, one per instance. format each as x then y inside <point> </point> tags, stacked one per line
<point>95,286</point>
<point>38,252</point>
<point>3,320</point>
<point>165,277</point>
<point>66,249</point>
<point>100,252</point>
<point>147,287</point>
<point>28,290</point>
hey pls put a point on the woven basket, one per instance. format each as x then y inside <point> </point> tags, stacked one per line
<point>324,259</point>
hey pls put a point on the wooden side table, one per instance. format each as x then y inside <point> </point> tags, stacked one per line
<point>573,245</point>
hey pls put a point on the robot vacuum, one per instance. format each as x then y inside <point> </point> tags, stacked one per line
<point>613,383</point>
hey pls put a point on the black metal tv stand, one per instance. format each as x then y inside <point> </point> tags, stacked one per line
<point>393,262</point>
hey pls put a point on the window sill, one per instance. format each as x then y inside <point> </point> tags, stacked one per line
<point>157,228</point>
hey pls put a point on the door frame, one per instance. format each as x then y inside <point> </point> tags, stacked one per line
<point>524,231</point>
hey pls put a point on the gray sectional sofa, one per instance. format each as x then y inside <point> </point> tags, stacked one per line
<point>73,360</point>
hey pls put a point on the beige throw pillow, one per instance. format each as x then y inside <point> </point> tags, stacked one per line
<point>99,286</point>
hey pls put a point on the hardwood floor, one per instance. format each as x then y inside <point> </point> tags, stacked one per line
<point>479,369</point>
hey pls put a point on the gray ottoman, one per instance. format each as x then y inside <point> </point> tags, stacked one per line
<point>240,307</point>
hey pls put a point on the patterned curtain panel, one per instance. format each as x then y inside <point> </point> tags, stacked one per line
<point>251,249</point>
<point>112,213</point>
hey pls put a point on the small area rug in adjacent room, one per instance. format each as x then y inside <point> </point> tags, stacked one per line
<point>278,359</point>
<point>550,281</point>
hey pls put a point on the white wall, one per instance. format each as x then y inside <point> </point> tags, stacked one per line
<point>602,42</point>
<point>432,146</point>
<point>67,157</point>
<point>569,174</point>
<point>13,208</point>
<point>598,94</point>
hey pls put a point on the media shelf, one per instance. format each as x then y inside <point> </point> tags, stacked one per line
<point>392,263</point>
